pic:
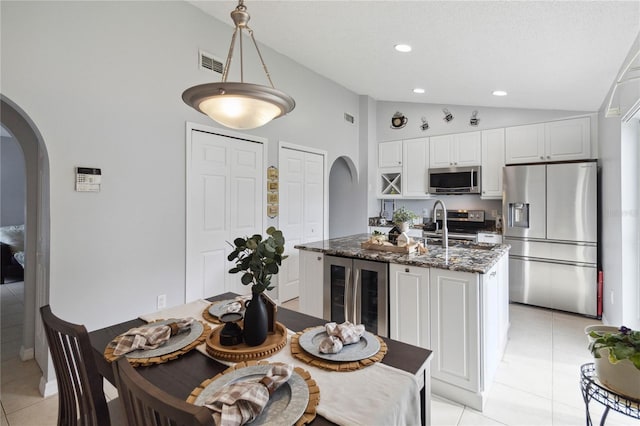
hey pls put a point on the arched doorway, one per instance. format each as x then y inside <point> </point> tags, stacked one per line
<point>36,271</point>
<point>346,200</point>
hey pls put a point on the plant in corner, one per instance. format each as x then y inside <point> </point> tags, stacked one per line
<point>259,258</point>
<point>617,359</point>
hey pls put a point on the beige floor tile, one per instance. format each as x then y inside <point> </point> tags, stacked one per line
<point>445,412</point>
<point>20,394</point>
<point>526,374</point>
<point>15,369</point>
<point>515,407</point>
<point>471,417</point>
<point>293,304</point>
<point>44,413</point>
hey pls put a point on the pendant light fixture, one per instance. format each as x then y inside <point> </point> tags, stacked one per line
<point>239,105</point>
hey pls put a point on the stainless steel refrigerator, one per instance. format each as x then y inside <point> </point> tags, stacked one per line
<point>551,221</point>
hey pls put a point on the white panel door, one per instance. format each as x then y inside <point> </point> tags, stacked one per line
<point>224,201</point>
<point>301,212</point>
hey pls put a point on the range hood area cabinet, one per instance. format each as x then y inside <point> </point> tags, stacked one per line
<point>462,317</point>
<point>563,140</point>
<point>455,150</point>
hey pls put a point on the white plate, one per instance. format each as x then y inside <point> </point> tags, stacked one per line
<point>286,405</point>
<point>368,346</point>
<point>174,343</point>
<point>221,308</point>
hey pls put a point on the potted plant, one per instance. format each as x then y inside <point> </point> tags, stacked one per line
<point>402,217</point>
<point>617,359</point>
<point>259,259</point>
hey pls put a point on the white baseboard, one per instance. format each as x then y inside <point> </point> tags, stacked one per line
<point>48,388</point>
<point>26,353</point>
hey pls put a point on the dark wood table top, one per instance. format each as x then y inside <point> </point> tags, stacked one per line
<point>180,376</point>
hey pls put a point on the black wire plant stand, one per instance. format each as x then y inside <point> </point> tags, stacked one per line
<point>593,389</point>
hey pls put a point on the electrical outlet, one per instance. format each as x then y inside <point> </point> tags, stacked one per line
<point>162,301</point>
<point>494,213</point>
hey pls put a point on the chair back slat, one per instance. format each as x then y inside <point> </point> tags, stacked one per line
<point>148,405</point>
<point>81,400</point>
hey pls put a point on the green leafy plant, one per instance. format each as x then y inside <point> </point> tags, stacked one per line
<point>623,344</point>
<point>402,215</point>
<point>258,258</point>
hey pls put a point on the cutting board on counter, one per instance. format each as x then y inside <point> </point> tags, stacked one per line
<point>368,245</point>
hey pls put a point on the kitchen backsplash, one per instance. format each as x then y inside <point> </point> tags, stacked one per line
<point>492,208</point>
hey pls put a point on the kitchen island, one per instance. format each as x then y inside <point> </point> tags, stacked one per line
<point>453,301</point>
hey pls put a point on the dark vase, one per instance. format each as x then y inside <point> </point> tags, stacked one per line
<point>255,321</point>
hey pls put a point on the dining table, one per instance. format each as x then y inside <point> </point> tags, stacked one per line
<point>180,376</point>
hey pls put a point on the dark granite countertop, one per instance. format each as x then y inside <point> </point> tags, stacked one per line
<point>465,257</point>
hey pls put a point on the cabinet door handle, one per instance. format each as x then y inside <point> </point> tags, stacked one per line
<point>407,270</point>
<point>493,274</point>
<point>542,157</point>
<point>319,257</point>
<point>548,157</point>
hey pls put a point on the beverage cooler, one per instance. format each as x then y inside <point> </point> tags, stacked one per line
<point>355,290</point>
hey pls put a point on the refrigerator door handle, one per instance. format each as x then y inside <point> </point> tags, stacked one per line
<point>347,285</point>
<point>554,261</point>
<point>355,311</point>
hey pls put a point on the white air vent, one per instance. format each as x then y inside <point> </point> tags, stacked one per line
<point>209,62</point>
<point>349,118</point>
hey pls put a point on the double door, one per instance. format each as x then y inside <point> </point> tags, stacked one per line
<point>356,290</point>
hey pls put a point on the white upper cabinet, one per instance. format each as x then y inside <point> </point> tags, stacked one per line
<point>415,162</point>
<point>568,139</point>
<point>461,149</point>
<point>553,141</point>
<point>492,163</point>
<point>390,154</point>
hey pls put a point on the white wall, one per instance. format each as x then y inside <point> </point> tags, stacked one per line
<point>620,177</point>
<point>13,183</point>
<point>103,83</point>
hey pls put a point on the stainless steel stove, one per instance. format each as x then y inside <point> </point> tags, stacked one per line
<point>462,225</point>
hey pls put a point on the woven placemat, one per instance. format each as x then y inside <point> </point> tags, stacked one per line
<point>314,390</point>
<point>141,362</point>
<point>306,357</point>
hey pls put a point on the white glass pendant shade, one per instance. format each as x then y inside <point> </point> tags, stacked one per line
<point>239,105</point>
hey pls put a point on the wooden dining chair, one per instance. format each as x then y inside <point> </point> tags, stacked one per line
<point>147,405</point>
<point>81,399</point>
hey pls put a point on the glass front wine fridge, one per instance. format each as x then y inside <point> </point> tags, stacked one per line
<point>355,290</point>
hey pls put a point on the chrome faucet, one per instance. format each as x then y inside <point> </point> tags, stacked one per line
<point>445,231</point>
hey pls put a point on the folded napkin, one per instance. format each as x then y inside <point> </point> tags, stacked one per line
<point>241,402</point>
<point>232,307</point>
<point>339,335</point>
<point>150,337</point>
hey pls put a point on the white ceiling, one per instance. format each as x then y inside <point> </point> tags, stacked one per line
<point>546,55</point>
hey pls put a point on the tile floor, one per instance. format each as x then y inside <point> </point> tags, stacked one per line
<point>536,384</point>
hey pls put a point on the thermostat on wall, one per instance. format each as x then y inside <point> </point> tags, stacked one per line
<point>88,179</point>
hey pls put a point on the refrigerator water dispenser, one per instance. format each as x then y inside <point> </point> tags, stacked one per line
<point>518,215</point>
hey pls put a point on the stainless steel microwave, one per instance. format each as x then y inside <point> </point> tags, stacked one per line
<point>454,180</point>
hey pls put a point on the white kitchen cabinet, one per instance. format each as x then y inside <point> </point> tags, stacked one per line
<point>390,182</point>
<point>409,304</point>
<point>415,162</point>
<point>311,283</point>
<point>568,139</point>
<point>561,140</point>
<point>455,328</point>
<point>492,163</point>
<point>402,168</point>
<point>390,154</point>
<point>460,149</point>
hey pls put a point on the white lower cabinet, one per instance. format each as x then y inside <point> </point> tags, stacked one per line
<point>409,304</point>
<point>311,283</point>
<point>462,317</point>
<point>455,328</point>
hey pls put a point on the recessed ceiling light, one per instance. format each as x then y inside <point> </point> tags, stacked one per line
<point>418,90</point>
<point>404,48</point>
<point>499,93</point>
